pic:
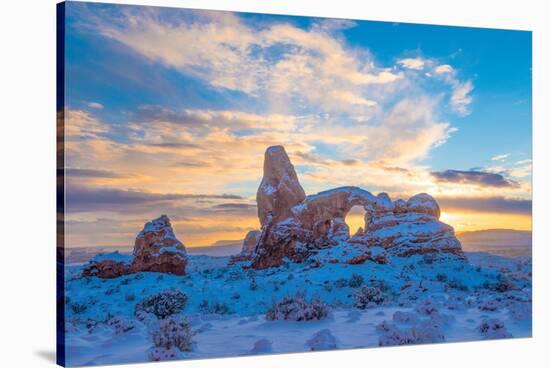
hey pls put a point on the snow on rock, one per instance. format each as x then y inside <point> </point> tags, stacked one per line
<point>409,228</point>
<point>423,203</point>
<point>296,227</point>
<point>156,250</point>
<point>250,241</point>
<point>280,189</point>
<point>322,340</point>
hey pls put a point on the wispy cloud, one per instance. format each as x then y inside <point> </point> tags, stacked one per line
<point>491,204</point>
<point>95,105</point>
<point>410,63</point>
<point>500,157</point>
<point>473,177</point>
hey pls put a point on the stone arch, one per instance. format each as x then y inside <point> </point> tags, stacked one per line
<point>324,213</point>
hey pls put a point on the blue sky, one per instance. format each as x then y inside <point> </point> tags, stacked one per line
<point>177,102</point>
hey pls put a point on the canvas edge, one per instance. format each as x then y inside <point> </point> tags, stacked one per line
<point>60,183</point>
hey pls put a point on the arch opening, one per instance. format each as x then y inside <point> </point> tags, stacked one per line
<point>355,219</point>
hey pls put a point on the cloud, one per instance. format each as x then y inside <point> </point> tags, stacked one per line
<point>410,63</point>
<point>500,157</point>
<point>273,60</point>
<point>204,120</point>
<point>473,177</point>
<point>95,105</point>
<point>491,204</point>
<point>442,69</point>
<point>91,173</point>
<point>406,133</point>
<point>90,199</point>
<point>461,98</point>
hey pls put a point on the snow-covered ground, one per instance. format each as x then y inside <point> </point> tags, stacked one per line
<point>417,300</point>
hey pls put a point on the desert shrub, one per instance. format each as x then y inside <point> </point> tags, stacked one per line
<point>297,308</point>
<point>493,329</point>
<point>160,354</point>
<point>427,331</point>
<point>121,325</point>
<point>235,275</point>
<point>489,305</point>
<point>427,307</point>
<point>214,307</point>
<point>78,308</point>
<point>171,334</point>
<point>503,284</point>
<point>428,258</point>
<point>340,283</point>
<point>112,290</point>
<point>368,296</point>
<point>458,284</point>
<point>163,304</point>
<point>355,281</point>
<point>383,285</point>
<point>252,284</point>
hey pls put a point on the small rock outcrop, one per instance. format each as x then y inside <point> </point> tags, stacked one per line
<point>295,227</point>
<point>250,241</point>
<point>156,250</point>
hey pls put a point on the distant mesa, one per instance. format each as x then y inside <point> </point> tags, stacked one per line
<point>294,227</point>
<point>156,250</point>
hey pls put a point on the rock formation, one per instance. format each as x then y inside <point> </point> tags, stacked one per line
<point>295,226</point>
<point>250,241</point>
<point>156,250</point>
<point>280,189</point>
<point>249,247</point>
<point>408,228</point>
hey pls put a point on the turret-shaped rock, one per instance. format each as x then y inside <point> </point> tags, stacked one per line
<point>280,189</point>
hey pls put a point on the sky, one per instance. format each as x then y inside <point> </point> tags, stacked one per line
<point>169,111</point>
